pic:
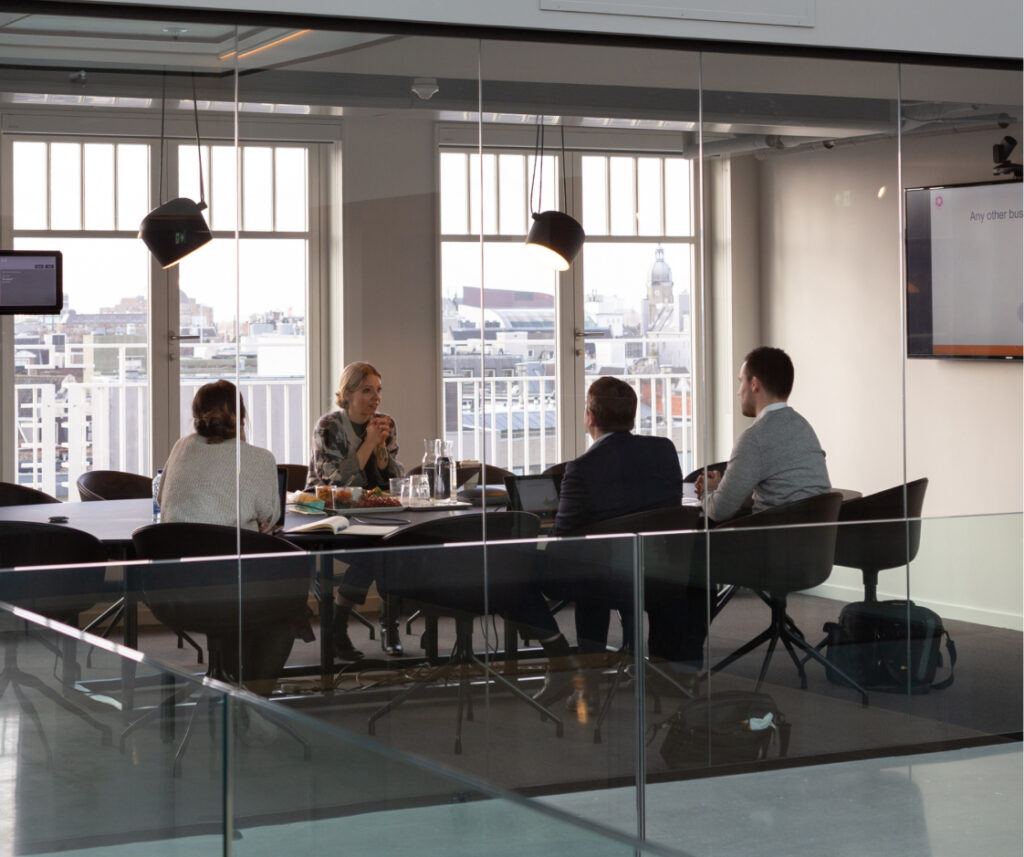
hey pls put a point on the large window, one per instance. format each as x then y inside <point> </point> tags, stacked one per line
<point>631,288</point>
<point>86,393</point>
<point>82,377</point>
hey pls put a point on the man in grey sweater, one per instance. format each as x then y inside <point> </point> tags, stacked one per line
<point>778,459</point>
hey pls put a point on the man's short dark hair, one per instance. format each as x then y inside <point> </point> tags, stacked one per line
<point>773,368</point>
<point>612,404</point>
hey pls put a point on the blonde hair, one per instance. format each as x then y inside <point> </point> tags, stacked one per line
<point>351,377</point>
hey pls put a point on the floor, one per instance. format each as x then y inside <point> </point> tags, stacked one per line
<point>355,790</point>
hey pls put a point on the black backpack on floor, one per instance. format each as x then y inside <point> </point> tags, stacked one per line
<point>889,646</point>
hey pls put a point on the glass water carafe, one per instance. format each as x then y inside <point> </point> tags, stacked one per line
<point>444,476</point>
<point>428,463</point>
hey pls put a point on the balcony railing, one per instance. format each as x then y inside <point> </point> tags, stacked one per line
<point>512,422</point>
<point>65,428</point>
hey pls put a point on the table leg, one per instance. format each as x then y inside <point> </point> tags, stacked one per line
<point>325,597</point>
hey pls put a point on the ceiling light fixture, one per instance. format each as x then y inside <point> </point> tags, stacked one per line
<point>555,236</point>
<point>176,228</point>
<point>266,46</point>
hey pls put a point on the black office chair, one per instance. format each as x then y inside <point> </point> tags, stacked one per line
<point>450,582</point>
<point>889,542</point>
<point>718,466</point>
<point>776,552</point>
<point>96,485</point>
<point>59,594</point>
<point>602,572</point>
<point>113,485</point>
<point>297,474</point>
<point>12,494</point>
<point>209,598</point>
<point>555,469</point>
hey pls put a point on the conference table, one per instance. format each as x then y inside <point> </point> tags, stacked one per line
<point>113,522</point>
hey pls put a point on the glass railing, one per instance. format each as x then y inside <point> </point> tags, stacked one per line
<point>199,765</point>
<point>442,699</point>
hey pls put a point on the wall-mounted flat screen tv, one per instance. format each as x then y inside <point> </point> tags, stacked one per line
<point>964,271</point>
<point>31,282</point>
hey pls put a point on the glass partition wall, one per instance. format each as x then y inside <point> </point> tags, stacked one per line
<point>368,197</point>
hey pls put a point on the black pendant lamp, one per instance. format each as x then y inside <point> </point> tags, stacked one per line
<point>176,228</point>
<point>554,236</point>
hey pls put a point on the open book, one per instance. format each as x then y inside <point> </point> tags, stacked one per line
<point>339,523</point>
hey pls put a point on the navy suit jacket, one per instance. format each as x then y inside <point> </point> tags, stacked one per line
<point>621,474</point>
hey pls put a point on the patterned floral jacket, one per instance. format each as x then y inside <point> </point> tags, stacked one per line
<point>333,460</point>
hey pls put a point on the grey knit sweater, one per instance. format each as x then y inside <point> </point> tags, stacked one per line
<point>198,484</point>
<point>777,460</point>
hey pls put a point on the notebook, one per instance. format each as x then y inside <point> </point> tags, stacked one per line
<point>535,494</point>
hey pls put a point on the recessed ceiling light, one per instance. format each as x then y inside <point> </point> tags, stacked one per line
<point>175,31</point>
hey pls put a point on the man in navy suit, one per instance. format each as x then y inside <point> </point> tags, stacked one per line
<point>622,473</point>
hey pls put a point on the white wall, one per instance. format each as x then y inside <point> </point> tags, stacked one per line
<point>830,254</point>
<point>390,298</point>
<point>991,28</point>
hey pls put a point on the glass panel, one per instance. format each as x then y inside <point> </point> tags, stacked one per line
<point>272,336</point>
<point>639,328</point>
<point>962,284</point>
<point>65,186</point>
<point>508,416</point>
<point>678,196</point>
<point>291,187</point>
<point>649,189</point>
<point>622,198</point>
<point>489,203</point>
<point>595,195</point>
<point>513,192</point>
<point>99,185</point>
<point>257,188</point>
<point>454,199</point>
<point>133,181</point>
<point>30,185</point>
<point>225,190</point>
<point>82,379</point>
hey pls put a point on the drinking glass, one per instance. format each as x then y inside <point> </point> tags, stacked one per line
<point>419,490</point>
<point>395,486</point>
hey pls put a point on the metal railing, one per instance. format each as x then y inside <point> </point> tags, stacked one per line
<point>512,421</point>
<point>68,427</point>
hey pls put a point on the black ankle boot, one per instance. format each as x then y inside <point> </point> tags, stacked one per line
<point>343,648</point>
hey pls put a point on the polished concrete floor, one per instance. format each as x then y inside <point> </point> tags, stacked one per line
<point>932,805</point>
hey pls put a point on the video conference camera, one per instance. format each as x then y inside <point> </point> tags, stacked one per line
<point>1001,152</point>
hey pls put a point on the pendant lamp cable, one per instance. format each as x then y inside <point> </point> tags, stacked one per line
<point>538,156</point>
<point>562,165</point>
<point>199,149</point>
<point>163,110</point>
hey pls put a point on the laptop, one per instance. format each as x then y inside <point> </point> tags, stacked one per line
<point>535,494</point>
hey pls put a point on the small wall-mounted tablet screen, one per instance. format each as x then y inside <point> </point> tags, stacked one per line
<point>31,282</point>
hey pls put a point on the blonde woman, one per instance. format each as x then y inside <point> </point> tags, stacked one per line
<point>355,445</point>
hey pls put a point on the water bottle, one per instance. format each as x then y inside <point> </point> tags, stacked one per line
<point>443,464</point>
<point>156,495</point>
<point>428,464</point>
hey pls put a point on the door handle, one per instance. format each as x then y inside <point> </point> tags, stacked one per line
<point>177,337</point>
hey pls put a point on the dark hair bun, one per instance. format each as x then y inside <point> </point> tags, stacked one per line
<point>216,425</point>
